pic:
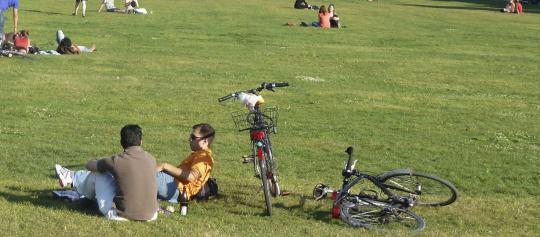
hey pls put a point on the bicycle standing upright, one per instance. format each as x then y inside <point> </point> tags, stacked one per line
<point>260,123</point>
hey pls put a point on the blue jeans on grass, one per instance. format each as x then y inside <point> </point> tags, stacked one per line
<point>167,189</point>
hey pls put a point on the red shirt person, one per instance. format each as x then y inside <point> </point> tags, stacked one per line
<point>324,17</point>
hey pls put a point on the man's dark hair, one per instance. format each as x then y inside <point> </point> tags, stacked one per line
<point>206,130</point>
<point>130,135</point>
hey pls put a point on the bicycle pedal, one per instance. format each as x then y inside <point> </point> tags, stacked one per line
<point>248,160</point>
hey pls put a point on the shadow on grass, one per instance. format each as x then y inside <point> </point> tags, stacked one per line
<point>488,7</point>
<point>256,201</point>
<point>39,11</point>
<point>493,9</point>
<point>44,198</point>
<point>312,212</point>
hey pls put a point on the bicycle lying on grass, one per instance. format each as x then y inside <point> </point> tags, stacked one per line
<point>388,208</point>
<point>260,123</point>
<point>11,53</point>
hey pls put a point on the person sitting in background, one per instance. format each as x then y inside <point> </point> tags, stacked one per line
<point>22,41</point>
<point>18,41</point>
<point>302,4</point>
<point>510,7</point>
<point>324,18</point>
<point>334,19</point>
<point>109,6</point>
<point>519,7</point>
<point>131,5</point>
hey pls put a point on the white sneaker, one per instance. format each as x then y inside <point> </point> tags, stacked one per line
<point>65,176</point>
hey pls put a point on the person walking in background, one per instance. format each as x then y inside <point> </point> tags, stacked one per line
<point>76,11</point>
<point>4,6</point>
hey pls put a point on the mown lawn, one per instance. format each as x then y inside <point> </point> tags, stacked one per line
<point>445,87</point>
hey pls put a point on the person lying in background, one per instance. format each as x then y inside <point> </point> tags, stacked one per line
<point>65,46</point>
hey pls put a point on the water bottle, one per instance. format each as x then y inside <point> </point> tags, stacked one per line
<point>184,202</point>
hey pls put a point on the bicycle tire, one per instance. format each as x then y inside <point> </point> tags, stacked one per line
<point>272,170</point>
<point>266,188</point>
<point>435,191</point>
<point>375,215</point>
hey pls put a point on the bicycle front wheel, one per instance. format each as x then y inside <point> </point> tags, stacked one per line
<point>376,215</point>
<point>266,187</point>
<point>272,170</point>
<point>429,190</point>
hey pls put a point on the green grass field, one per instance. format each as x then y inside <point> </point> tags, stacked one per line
<point>444,87</point>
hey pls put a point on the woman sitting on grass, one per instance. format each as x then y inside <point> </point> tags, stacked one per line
<point>334,19</point>
<point>324,18</point>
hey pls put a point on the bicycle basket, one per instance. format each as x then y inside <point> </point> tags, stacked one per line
<point>245,121</point>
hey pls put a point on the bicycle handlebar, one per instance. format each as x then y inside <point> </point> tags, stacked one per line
<point>264,86</point>
<point>349,151</point>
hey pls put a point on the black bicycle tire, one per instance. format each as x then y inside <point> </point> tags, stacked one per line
<point>376,215</point>
<point>271,166</point>
<point>266,188</point>
<point>421,199</point>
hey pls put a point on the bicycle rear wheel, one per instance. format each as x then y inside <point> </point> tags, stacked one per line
<point>266,187</point>
<point>376,215</point>
<point>429,189</point>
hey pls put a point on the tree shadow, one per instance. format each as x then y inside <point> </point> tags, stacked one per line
<point>44,198</point>
<point>451,7</point>
<point>39,11</point>
<point>482,5</point>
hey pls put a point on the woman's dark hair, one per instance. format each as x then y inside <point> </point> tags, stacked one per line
<point>130,135</point>
<point>206,130</point>
<point>65,47</point>
<point>322,9</point>
<point>331,5</point>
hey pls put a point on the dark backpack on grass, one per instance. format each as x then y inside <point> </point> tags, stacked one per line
<point>208,190</point>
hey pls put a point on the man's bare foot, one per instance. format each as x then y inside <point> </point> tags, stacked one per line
<point>93,47</point>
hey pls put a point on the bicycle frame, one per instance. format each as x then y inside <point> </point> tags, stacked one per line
<point>261,145</point>
<point>351,177</point>
<point>264,164</point>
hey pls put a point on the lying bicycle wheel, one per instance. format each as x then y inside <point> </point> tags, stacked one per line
<point>428,189</point>
<point>376,215</point>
